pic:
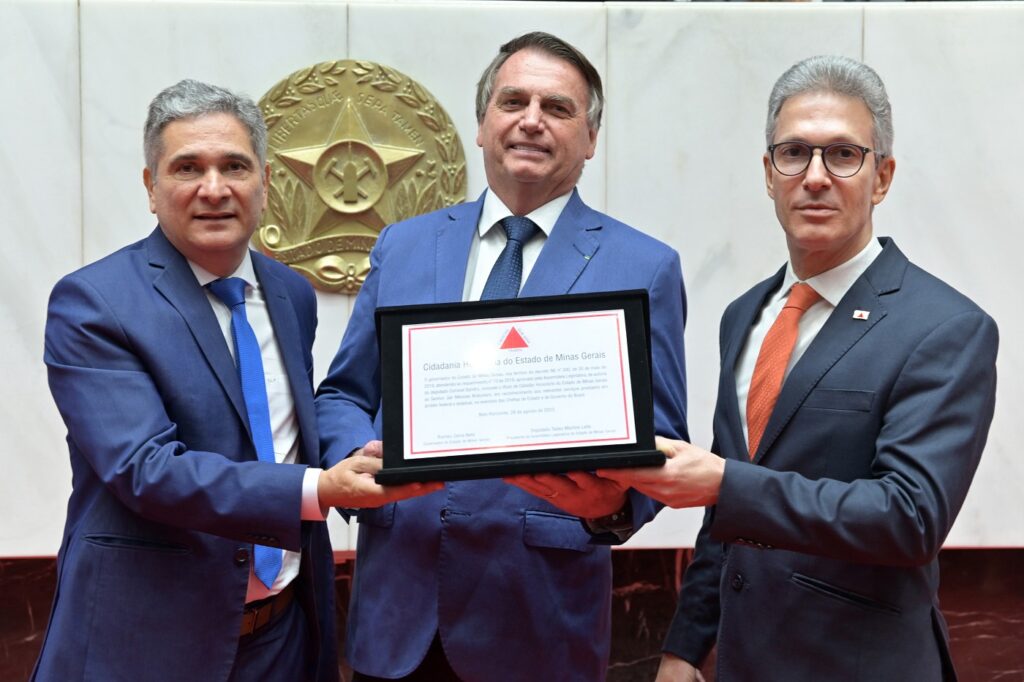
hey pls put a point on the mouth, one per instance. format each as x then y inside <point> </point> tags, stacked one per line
<point>214,216</point>
<point>528,148</point>
<point>814,208</point>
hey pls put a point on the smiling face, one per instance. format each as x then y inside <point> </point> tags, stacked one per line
<point>827,220</point>
<point>534,132</point>
<point>209,191</point>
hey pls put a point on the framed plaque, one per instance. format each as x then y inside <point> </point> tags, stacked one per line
<point>495,388</point>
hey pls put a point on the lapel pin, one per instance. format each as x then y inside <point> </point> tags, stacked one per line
<point>860,314</point>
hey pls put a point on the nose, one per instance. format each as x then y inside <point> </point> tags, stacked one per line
<point>816,177</point>
<point>212,187</point>
<point>533,116</point>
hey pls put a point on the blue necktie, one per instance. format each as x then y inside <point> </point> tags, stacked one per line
<point>507,273</point>
<point>231,291</point>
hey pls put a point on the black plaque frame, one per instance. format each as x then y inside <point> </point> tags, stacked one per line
<point>390,323</point>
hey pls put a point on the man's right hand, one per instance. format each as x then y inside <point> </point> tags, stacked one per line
<point>675,669</point>
<point>350,484</point>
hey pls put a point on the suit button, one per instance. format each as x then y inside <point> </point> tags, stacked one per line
<point>737,582</point>
<point>444,513</point>
<point>241,556</point>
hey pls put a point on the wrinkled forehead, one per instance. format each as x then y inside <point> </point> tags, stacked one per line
<point>824,116</point>
<point>207,135</point>
<point>536,71</point>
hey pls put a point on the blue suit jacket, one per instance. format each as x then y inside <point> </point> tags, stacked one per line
<point>513,584</point>
<point>819,560</point>
<point>168,495</point>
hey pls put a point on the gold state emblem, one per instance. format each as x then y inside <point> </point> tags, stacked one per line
<point>352,147</point>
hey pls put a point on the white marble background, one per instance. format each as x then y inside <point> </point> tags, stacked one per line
<point>680,157</point>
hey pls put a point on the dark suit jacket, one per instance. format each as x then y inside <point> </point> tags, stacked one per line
<point>168,495</point>
<point>514,585</point>
<point>819,560</point>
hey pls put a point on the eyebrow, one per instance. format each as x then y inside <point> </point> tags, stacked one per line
<point>509,91</point>
<point>568,102</point>
<point>231,156</point>
<point>565,100</point>
<point>841,139</point>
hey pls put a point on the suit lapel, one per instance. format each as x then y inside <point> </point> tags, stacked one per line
<point>289,343</point>
<point>840,333</point>
<point>454,238</point>
<point>745,314</point>
<point>174,279</point>
<point>572,244</point>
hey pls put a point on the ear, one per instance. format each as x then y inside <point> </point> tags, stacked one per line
<point>480,132</point>
<point>883,179</point>
<point>769,180</point>
<point>149,181</point>
<point>266,185</point>
<point>592,132</point>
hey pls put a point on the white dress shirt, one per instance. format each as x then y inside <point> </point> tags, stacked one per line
<point>490,240</point>
<point>284,423</point>
<point>832,285</point>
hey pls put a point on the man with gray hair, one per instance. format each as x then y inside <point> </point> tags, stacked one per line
<point>485,580</point>
<point>195,547</point>
<point>855,397</point>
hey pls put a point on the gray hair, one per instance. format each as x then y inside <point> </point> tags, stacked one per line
<point>556,47</point>
<point>190,99</point>
<point>841,76</point>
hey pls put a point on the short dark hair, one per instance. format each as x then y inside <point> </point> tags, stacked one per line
<point>556,47</point>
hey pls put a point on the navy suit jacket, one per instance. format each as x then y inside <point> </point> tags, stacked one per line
<point>819,561</point>
<point>168,495</point>
<point>514,585</point>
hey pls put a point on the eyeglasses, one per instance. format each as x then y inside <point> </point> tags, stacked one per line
<point>841,159</point>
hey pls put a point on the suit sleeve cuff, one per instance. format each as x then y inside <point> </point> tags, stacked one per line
<point>311,509</point>
<point>613,529</point>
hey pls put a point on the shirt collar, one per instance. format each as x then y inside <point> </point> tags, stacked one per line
<point>244,271</point>
<point>833,284</point>
<point>545,217</point>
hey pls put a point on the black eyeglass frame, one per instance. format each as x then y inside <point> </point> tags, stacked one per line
<point>824,149</point>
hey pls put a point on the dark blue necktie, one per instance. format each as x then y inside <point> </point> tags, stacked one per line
<point>231,291</point>
<point>507,274</point>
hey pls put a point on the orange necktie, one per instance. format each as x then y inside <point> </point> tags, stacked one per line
<point>772,360</point>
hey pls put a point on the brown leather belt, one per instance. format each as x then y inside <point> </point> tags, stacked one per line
<point>259,613</point>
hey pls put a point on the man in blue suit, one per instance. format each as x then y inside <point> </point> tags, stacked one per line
<point>817,559</point>
<point>484,581</point>
<point>172,496</point>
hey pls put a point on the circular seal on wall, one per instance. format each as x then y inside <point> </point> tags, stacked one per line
<point>352,146</point>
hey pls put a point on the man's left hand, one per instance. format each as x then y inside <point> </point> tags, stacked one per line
<point>577,493</point>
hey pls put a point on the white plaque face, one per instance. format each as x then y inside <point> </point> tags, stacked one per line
<point>516,383</point>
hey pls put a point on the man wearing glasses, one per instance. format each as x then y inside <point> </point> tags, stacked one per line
<point>855,396</point>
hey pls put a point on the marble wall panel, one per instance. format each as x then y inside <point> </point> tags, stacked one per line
<point>953,74</point>
<point>687,91</point>
<point>679,156</point>
<point>40,209</point>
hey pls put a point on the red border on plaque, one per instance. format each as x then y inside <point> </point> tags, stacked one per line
<point>616,315</point>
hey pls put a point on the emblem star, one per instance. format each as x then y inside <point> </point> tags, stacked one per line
<point>349,171</point>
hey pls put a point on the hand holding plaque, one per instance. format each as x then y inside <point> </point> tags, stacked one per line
<point>691,476</point>
<point>350,483</point>
<point>577,492</point>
